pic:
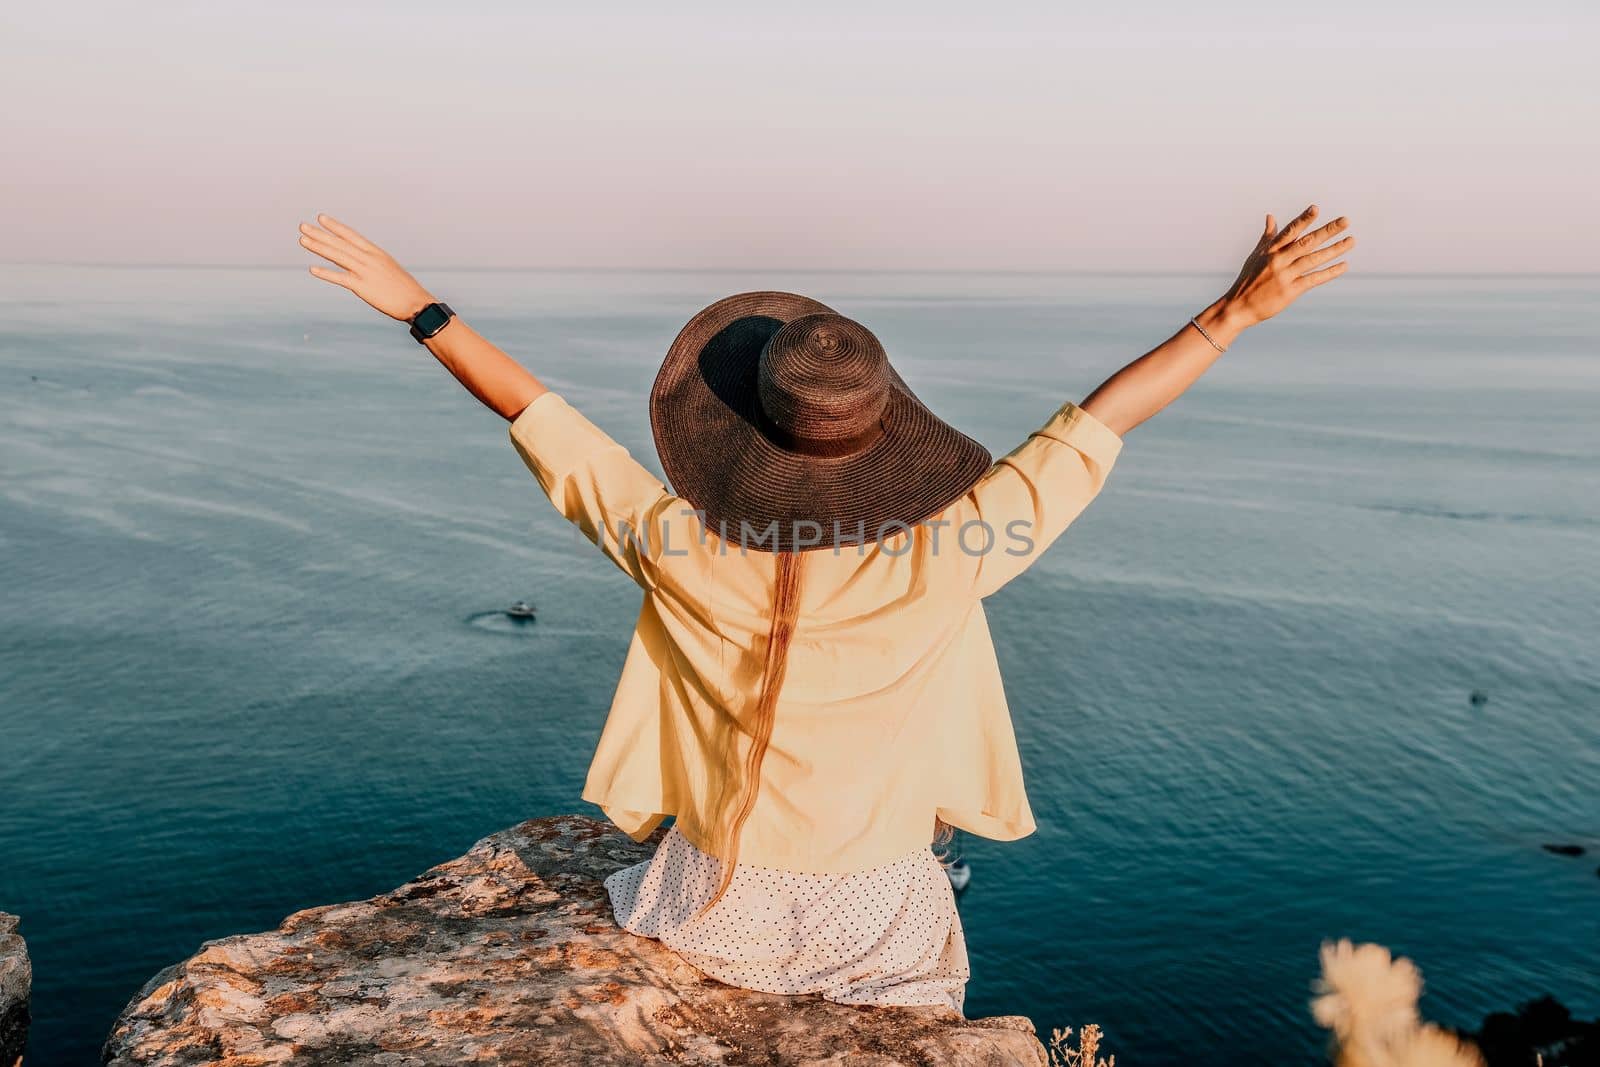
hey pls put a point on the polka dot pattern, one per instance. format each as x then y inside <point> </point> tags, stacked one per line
<point>887,935</point>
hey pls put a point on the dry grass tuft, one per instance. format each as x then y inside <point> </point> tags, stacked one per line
<point>1085,1055</point>
<point>1368,1000</point>
<point>1366,997</point>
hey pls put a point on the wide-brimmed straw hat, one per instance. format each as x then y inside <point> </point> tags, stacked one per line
<point>783,423</point>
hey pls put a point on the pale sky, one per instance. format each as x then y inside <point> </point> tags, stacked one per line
<point>1458,136</point>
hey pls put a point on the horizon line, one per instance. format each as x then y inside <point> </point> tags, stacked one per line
<point>1034,271</point>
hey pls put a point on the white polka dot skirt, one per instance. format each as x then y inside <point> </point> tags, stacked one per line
<point>887,935</point>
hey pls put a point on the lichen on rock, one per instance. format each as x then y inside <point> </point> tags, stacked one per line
<point>16,982</point>
<point>509,955</point>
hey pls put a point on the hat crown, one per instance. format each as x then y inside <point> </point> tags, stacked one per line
<point>823,378</point>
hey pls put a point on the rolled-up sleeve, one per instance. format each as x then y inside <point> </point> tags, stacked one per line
<point>1031,495</point>
<point>596,484</point>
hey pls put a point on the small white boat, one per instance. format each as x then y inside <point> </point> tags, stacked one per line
<point>960,874</point>
<point>520,610</point>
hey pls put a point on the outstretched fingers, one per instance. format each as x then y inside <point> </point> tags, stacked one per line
<point>331,239</point>
<point>1311,250</point>
<point>347,233</point>
<point>336,253</point>
<point>337,277</point>
<point>1322,255</point>
<point>1320,277</point>
<point>1322,233</point>
<point>1295,228</point>
<point>1267,235</point>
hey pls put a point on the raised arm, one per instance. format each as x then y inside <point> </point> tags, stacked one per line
<point>499,381</point>
<point>590,478</point>
<point>1035,492</point>
<point>1284,264</point>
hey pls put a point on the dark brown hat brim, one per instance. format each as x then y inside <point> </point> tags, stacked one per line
<point>755,493</point>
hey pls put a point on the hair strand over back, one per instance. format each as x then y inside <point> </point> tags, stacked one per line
<point>785,612</point>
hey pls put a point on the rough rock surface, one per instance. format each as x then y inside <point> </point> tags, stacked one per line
<point>16,981</point>
<point>509,955</point>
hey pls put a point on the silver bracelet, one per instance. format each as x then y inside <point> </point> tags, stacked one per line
<point>1207,336</point>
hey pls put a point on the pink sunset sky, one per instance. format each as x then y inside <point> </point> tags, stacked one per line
<point>1458,136</point>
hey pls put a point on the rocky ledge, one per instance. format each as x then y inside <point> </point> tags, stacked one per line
<point>16,980</point>
<point>509,955</point>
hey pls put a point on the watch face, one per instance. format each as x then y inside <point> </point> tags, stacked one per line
<point>430,320</point>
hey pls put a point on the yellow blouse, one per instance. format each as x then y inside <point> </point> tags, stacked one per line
<point>892,709</point>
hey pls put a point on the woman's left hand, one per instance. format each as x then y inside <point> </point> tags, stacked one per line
<point>369,271</point>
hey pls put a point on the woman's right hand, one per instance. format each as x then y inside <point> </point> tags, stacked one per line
<point>1284,264</point>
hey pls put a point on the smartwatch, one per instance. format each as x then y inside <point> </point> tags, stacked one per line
<point>429,321</point>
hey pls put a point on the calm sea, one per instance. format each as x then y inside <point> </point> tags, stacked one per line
<point>251,532</point>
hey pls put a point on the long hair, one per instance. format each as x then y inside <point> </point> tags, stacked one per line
<point>943,834</point>
<point>785,610</point>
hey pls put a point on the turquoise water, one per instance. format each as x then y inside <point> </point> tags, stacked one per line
<point>250,529</point>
